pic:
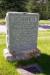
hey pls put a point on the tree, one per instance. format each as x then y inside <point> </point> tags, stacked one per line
<point>31,6</point>
<point>40,6</point>
<point>12,5</point>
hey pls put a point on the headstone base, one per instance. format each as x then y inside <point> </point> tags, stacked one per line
<point>21,56</point>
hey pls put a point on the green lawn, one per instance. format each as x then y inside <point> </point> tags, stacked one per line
<point>2,21</point>
<point>44,22</point>
<point>6,68</point>
<point>9,68</point>
<point>44,47</point>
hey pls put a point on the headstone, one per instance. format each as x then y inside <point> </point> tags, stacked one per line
<point>22,33</point>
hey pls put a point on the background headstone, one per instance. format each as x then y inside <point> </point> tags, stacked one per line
<point>22,32</point>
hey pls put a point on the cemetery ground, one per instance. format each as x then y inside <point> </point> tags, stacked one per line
<point>9,68</point>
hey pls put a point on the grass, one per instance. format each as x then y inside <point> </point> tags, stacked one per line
<point>8,68</point>
<point>44,22</point>
<point>44,46</point>
<point>2,21</point>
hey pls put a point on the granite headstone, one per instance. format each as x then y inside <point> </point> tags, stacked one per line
<point>22,32</point>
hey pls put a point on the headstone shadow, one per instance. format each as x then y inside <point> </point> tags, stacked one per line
<point>36,66</point>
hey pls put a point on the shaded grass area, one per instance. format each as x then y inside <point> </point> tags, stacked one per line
<point>8,68</point>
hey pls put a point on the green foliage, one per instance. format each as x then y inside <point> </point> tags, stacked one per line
<point>43,8</point>
<point>31,6</point>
